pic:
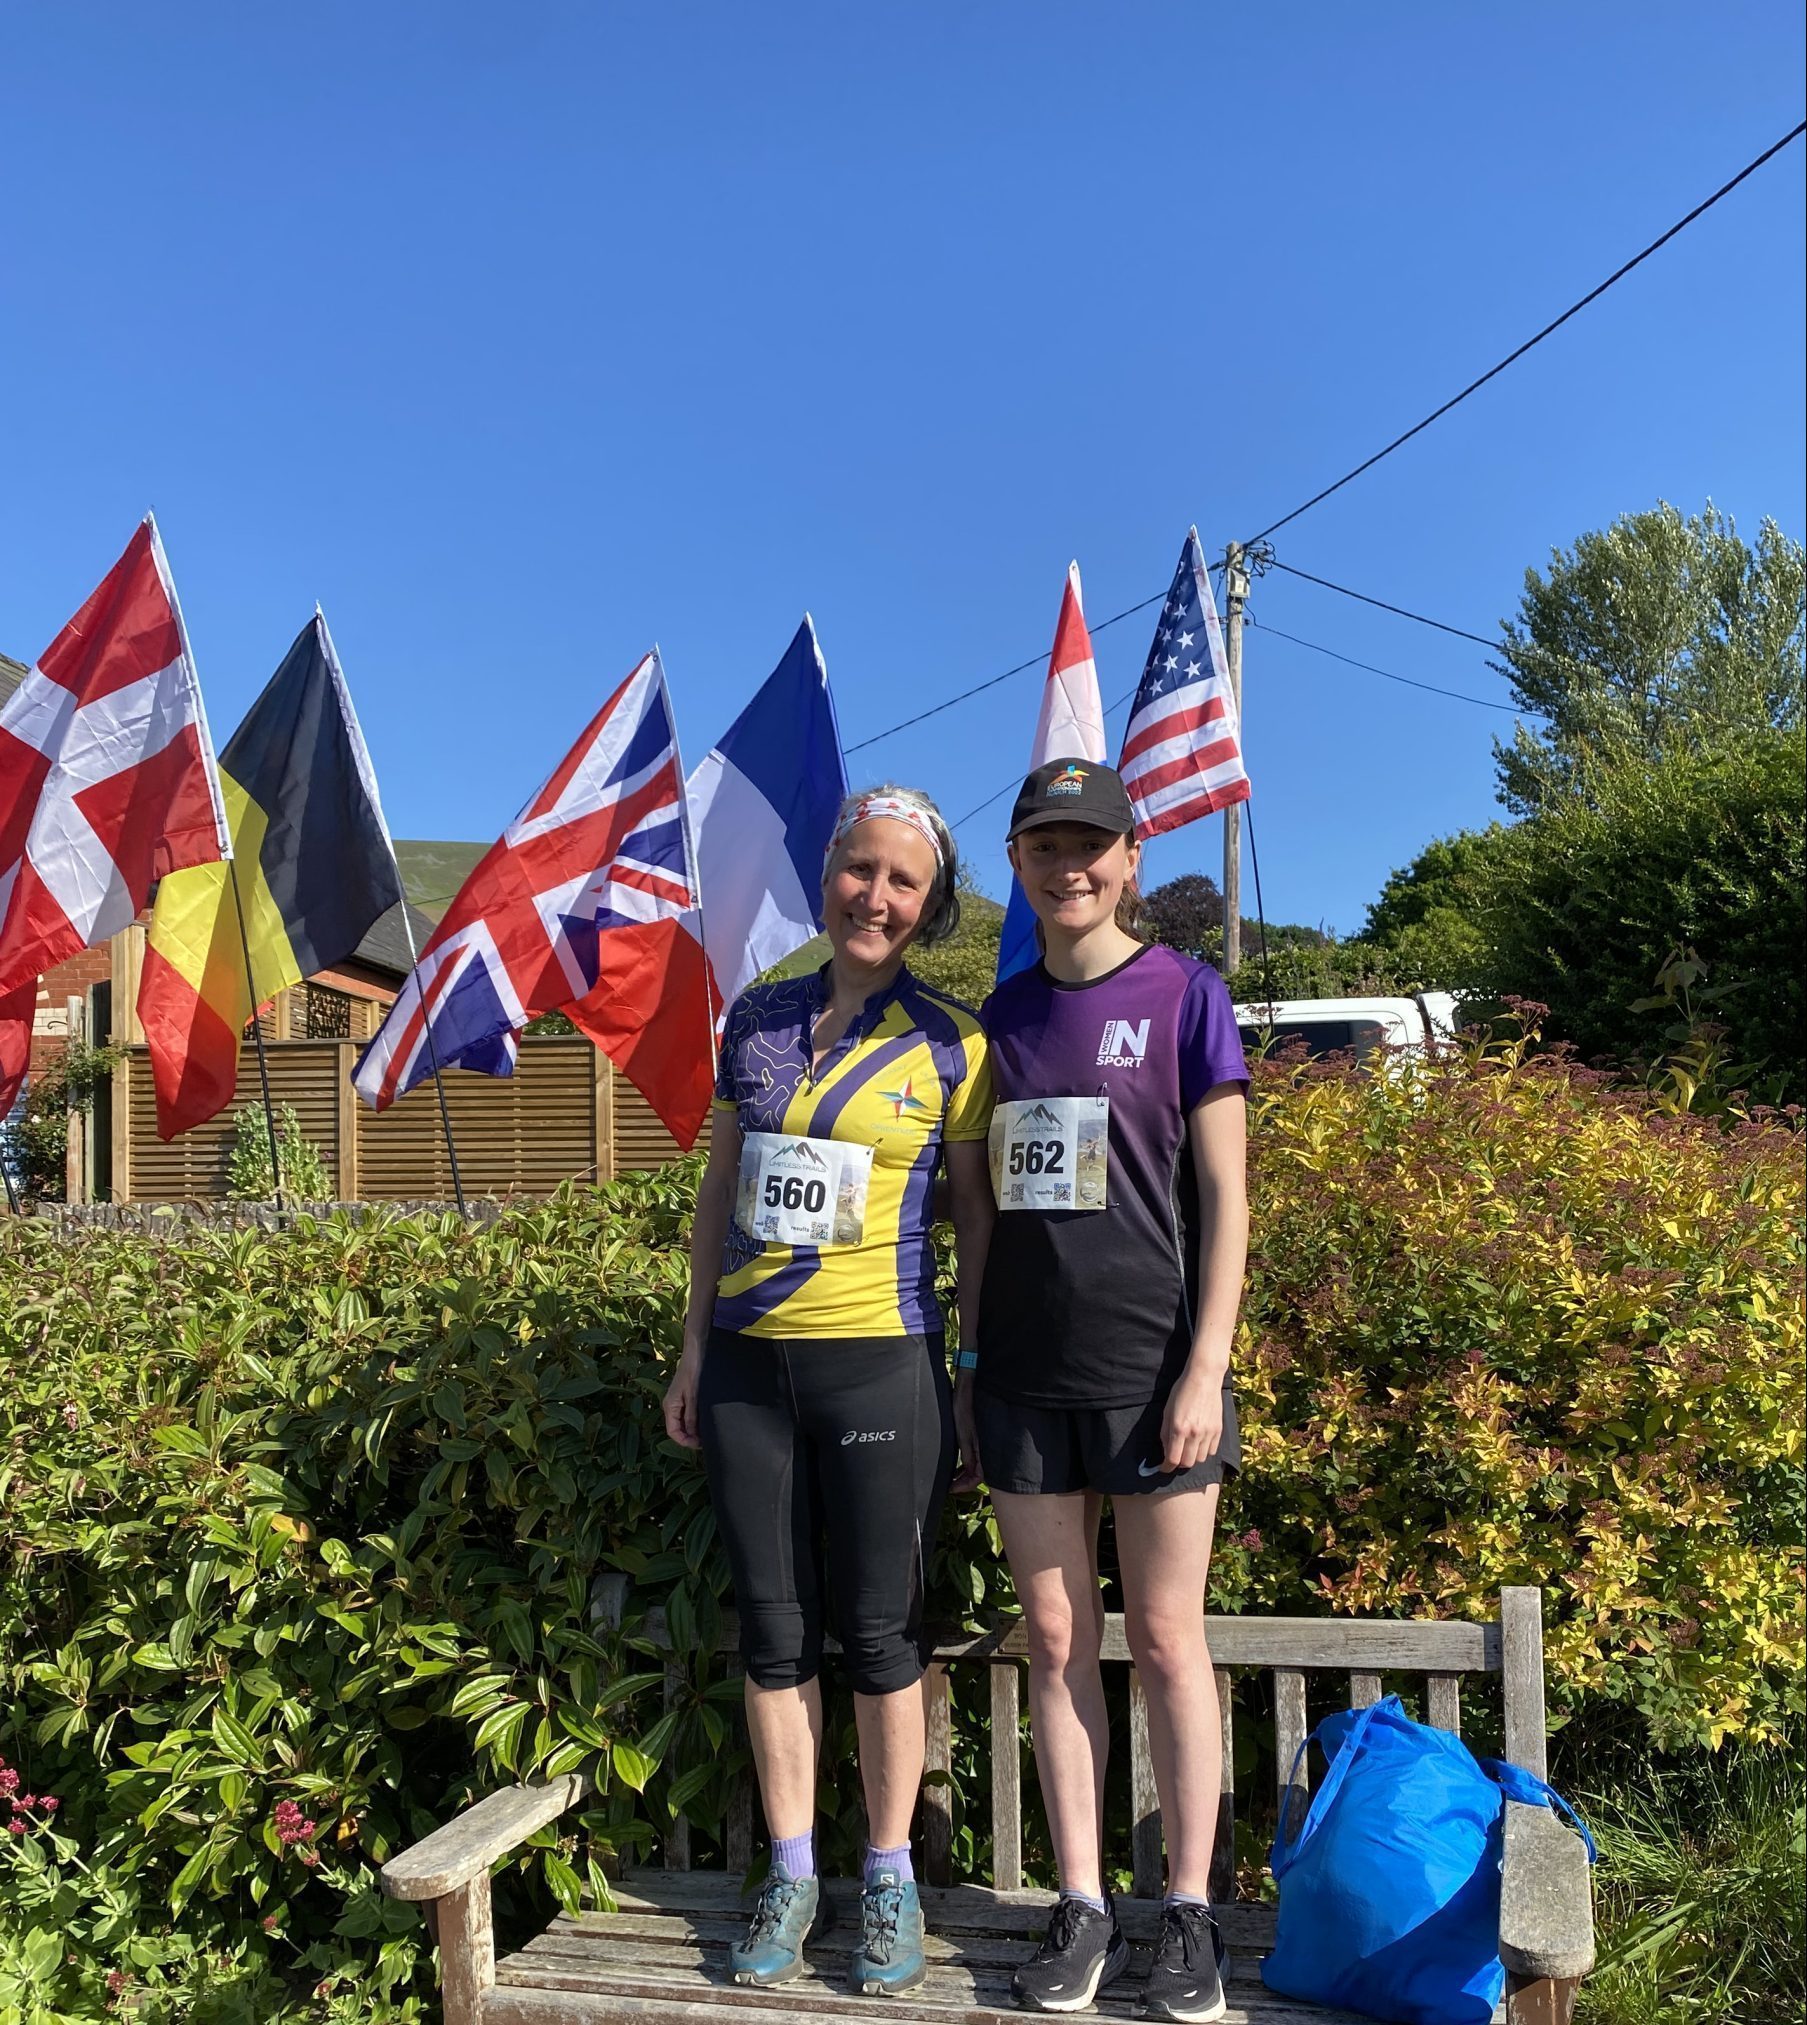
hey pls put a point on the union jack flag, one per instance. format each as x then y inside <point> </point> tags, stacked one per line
<point>587,905</point>
<point>1182,747</point>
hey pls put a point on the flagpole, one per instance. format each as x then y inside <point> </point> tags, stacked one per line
<point>693,866</point>
<point>376,802</point>
<point>257,1033</point>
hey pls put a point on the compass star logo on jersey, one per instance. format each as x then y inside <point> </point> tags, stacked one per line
<point>903,1100</point>
<point>1123,1045</point>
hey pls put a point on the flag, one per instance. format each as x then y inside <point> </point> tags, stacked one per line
<point>1071,726</point>
<point>313,867</point>
<point>585,905</point>
<point>1182,747</point>
<point>107,778</point>
<point>18,1008</point>
<point>762,809</point>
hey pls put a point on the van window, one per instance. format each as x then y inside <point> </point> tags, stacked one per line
<point>1321,1037</point>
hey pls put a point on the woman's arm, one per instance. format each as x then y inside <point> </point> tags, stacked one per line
<point>708,1232</point>
<point>974,1211</point>
<point>1218,1132</point>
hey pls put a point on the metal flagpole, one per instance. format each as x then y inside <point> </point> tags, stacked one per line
<point>257,1032</point>
<point>368,772</point>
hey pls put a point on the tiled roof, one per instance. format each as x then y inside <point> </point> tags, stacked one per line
<point>12,673</point>
<point>386,946</point>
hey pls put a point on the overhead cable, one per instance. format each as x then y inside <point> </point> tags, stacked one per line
<point>1511,358</point>
<point>1461,633</point>
<point>1368,667</point>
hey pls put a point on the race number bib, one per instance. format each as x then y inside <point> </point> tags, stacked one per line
<point>1051,1153</point>
<point>802,1191</point>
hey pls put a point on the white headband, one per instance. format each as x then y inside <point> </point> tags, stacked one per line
<point>897,809</point>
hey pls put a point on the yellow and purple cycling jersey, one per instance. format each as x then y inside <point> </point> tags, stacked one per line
<point>910,1072</point>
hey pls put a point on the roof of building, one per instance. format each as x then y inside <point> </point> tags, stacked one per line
<point>12,673</point>
<point>386,945</point>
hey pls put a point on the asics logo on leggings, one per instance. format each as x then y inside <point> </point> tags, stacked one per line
<point>855,1438</point>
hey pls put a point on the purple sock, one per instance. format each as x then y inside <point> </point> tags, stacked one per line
<point>795,1855</point>
<point>890,1859</point>
<point>1185,1898</point>
<point>1084,1898</point>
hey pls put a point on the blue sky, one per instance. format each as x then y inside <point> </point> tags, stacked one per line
<point>523,338</point>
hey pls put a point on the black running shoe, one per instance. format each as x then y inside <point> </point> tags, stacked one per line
<point>1082,1950</point>
<point>1186,1979</point>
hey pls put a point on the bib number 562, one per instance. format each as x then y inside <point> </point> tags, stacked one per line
<point>792,1191</point>
<point>1036,1156</point>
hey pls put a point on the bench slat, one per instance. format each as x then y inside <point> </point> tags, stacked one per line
<point>1289,1733</point>
<point>677,1838</point>
<point>938,1795</point>
<point>1443,1694</point>
<point>1006,1777</point>
<point>1144,1800</point>
<point>1223,1843</point>
<point>1364,1690</point>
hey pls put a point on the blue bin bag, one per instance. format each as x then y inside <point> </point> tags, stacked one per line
<point>1390,1888</point>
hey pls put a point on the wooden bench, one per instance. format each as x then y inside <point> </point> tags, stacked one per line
<point>661,1955</point>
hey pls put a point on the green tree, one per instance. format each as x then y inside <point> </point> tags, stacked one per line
<point>1661,634</point>
<point>1428,925</point>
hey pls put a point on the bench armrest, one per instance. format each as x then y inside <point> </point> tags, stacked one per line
<point>1546,1898</point>
<point>471,1842</point>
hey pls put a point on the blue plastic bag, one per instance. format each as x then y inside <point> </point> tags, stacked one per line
<point>1390,1887</point>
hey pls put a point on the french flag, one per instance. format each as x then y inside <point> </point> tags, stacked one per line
<point>762,808</point>
<point>1071,726</point>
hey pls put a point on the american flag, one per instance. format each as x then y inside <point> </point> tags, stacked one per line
<point>588,905</point>
<point>1182,747</point>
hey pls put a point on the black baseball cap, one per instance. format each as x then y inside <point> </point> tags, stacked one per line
<point>1074,791</point>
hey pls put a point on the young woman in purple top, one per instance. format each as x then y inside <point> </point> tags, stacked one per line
<point>1106,1317</point>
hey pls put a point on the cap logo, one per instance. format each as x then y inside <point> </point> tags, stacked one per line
<point>1069,781</point>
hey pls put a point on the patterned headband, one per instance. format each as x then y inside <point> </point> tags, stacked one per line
<point>898,810</point>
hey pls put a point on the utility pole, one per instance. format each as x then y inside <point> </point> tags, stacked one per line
<point>1236,591</point>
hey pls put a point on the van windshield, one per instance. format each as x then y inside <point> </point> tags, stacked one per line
<point>1321,1037</point>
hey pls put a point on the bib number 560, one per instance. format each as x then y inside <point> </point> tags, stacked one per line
<point>1036,1156</point>
<point>792,1191</point>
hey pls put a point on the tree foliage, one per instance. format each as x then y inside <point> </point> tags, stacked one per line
<point>1657,636</point>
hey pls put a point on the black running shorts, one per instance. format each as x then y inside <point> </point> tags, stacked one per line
<point>1055,1449</point>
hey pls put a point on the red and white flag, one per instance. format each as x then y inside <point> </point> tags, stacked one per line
<point>107,777</point>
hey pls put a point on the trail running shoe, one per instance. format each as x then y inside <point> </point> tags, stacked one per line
<point>1186,1979</point>
<point>789,1911</point>
<point>889,1956</point>
<point>1082,1950</point>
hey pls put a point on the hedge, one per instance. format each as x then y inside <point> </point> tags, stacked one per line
<point>297,1532</point>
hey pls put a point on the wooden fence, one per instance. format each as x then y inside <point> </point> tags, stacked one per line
<point>564,1114</point>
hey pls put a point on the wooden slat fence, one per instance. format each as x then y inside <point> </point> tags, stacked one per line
<point>563,1115</point>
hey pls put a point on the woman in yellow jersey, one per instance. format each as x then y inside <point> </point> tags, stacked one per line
<point>813,1375</point>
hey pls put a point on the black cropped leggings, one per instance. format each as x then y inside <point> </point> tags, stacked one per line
<point>828,1465</point>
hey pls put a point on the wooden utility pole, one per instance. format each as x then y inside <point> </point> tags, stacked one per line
<point>1235,592</point>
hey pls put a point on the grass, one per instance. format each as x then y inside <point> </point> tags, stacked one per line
<point>1699,1896</point>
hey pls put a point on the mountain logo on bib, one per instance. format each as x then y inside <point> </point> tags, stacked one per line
<point>1042,1116</point>
<point>1122,1045</point>
<point>799,1153</point>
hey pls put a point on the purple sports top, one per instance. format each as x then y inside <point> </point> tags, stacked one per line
<point>1094,1308</point>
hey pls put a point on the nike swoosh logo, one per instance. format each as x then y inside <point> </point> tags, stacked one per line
<point>1151,1469</point>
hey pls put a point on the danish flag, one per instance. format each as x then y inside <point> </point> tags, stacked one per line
<point>107,778</point>
<point>587,905</point>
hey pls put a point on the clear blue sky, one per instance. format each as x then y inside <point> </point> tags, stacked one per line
<point>525,337</point>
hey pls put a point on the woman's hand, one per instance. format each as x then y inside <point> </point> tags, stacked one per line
<point>680,1402</point>
<point>1192,1426</point>
<point>966,1434</point>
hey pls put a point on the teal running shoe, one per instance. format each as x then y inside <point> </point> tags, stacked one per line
<point>889,1957</point>
<point>790,1911</point>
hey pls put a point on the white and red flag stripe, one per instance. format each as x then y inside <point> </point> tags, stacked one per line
<point>1182,747</point>
<point>107,776</point>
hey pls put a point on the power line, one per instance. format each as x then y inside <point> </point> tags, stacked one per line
<point>1368,667</point>
<point>1461,633</point>
<point>1511,358</point>
<point>1110,710</point>
<point>1034,661</point>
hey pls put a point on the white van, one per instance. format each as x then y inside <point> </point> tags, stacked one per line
<point>1327,1025</point>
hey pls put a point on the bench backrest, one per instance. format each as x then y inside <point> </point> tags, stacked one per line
<point>1286,1648</point>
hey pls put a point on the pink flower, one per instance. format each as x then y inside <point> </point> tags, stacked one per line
<point>49,1804</point>
<point>311,1857</point>
<point>270,1923</point>
<point>9,1780</point>
<point>17,1827</point>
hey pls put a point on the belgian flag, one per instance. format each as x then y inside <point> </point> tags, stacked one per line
<point>315,869</point>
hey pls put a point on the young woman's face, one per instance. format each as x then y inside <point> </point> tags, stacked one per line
<point>879,883</point>
<point>1072,874</point>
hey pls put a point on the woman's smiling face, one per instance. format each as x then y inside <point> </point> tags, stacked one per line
<point>1073,874</point>
<point>877,888</point>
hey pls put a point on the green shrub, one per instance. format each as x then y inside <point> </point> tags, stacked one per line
<point>249,1172</point>
<point>310,1520</point>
